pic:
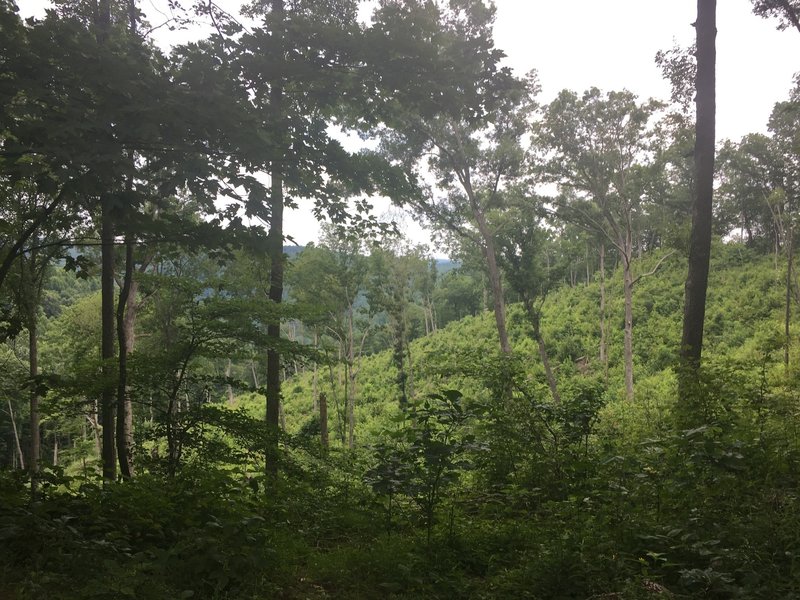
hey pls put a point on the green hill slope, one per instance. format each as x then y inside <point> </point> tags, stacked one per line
<point>744,323</point>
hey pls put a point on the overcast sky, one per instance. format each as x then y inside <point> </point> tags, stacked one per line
<point>611,44</point>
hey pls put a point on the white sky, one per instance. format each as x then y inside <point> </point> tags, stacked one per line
<point>611,44</point>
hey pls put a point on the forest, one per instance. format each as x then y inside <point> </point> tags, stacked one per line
<point>596,395</point>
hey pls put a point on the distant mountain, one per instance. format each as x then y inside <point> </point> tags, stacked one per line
<point>443,265</point>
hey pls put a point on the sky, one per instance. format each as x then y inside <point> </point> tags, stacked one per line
<point>611,44</point>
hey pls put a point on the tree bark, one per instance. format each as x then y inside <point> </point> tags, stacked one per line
<point>788,308</point>
<point>700,240</point>
<point>398,355</point>
<point>603,336</point>
<point>108,354</point>
<point>628,333</point>
<point>124,412</point>
<point>276,267</point>
<point>351,384</point>
<point>33,352</point>
<point>16,435</point>
<point>315,377</point>
<point>229,387</point>
<point>535,316</point>
<point>498,301</point>
<point>323,420</point>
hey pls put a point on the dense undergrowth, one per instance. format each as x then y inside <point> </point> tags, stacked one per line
<point>493,491</point>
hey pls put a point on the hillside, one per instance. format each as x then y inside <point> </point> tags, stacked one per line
<point>744,316</point>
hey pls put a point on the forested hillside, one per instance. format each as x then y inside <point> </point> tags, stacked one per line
<point>595,395</point>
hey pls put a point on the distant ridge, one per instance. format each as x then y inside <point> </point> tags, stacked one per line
<point>443,265</point>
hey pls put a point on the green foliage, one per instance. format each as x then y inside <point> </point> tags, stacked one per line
<point>424,455</point>
<point>503,489</point>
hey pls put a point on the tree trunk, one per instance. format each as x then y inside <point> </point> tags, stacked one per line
<point>586,257</point>
<point>788,311</point>
<point>93,420</point>
<point>351,385</point>
<point>628,333</point>
<point>398,355</point>
<point>16,435</point>
<point>107,404</point>
<point>700,241</point>
<point>496,284</point>
<point>124,412</point>
<point>229,387</point>
<point>410,381</point>
<point>603,336</point>
<point>33,352</point>
<point>253,372</point>
<point>535,316</point>
<point>276,265</point>
<point>323,420</point>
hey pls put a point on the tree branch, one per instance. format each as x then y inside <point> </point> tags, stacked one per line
<point>654,269</point>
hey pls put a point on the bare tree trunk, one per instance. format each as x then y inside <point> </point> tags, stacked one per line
<point>93,420</point>
<point>398,356</point>
<point>351,379</point>
<point>535,318</point>
<point>33,352</point>
<point>253,372</point>
<point>108,354</point>
<point>16,435</point>
<point>410,383</point>
<point>700,241</point>
<point>124,412</point>
<point>498,300</point>
<point>323,420</point>
<point>603,336</point>
<point>55,448</point>
<point>788,311</point>
<point>229,387</point>
<point>628,333</point>
<point>314,377</point>
<point>586,258</point>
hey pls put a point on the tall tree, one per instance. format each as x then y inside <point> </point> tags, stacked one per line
<point>276,258</point>
<point>523,257</point>
<point>602,155</point>
<point>328,280</point>
<point>702,200</point>
<point>463,121</point>
<point>297,69</point>
<point>784,124</point>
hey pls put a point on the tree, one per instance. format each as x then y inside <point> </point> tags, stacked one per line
<point>298,70</point>
<point>328,280</point>
<point>750,173</point>
<point>702,198</point>
<point>465,126</point>
<point>392,280</point>
<point>521,244</point>
<point>785,128</point>
<point>27,279</point>
<point>601,153</point>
